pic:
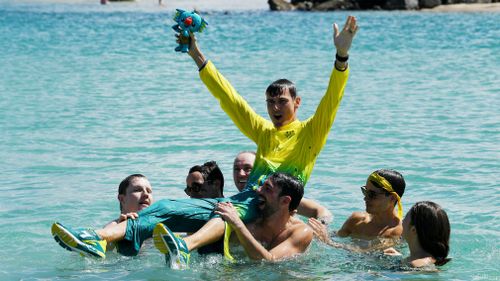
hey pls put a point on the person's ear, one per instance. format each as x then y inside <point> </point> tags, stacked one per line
<point>218,184</point>
<point>121,199</point>
<point>297,102</point>
<point>394,200</point>
<point>285,200</point>
<point>413,229</point>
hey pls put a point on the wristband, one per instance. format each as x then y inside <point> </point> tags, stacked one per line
<point>325,220</point>
<point>341,59</point>
<point>341,69</point>
<point>203,65</point>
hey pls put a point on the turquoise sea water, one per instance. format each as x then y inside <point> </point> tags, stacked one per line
<point>90,94</point>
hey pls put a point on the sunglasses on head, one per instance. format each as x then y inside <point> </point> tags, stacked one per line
<point>370,194</point>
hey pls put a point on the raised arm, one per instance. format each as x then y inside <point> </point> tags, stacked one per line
<point>343,40</point>
<point>321,123</point>
<point>244,117</point>
<point>194,50</point>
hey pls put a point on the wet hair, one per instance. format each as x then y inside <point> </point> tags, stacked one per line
<point>394,178</point>
<point>210,172</point>
<point>290,186</point>
<point>433,229</point>
<point>278,87</point>
<point>124,184</point>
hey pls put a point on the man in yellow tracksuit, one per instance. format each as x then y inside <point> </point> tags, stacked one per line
<point>284,144</point>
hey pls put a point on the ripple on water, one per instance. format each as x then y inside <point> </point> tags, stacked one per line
<point>93,93</point>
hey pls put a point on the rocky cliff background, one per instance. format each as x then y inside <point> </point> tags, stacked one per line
<point>330,5</point>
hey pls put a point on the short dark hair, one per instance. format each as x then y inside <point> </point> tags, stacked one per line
<point>278,87</point>
<point>122,188</point>
<point>210,172</point>
<point>394,178</point>
<point>433,229</point>
<point>290,186</point>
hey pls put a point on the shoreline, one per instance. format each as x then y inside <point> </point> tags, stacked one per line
<point>475,7</point>
<point>260,5</point>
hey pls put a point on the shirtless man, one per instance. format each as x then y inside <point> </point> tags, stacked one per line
<point>276,235</point>
<point>242,167</point>
<point>382,192</point>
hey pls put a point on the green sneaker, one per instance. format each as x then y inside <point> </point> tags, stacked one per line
<point>84,241</point>
<point>175,249</point>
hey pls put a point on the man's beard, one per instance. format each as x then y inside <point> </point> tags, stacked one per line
<point>268,211</point>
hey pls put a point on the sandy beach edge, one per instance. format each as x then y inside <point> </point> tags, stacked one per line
<point>231,5</point>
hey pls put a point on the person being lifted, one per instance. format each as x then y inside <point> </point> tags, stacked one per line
<point>284,144</point>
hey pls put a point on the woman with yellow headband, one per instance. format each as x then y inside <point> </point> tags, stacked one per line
<point>382,192</point>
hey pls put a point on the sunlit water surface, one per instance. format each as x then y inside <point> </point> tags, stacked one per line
<point>90,94</point>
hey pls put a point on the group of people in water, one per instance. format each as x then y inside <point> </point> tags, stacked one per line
<point>261,217</point>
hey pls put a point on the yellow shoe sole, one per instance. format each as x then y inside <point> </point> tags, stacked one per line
<point>160,243</point>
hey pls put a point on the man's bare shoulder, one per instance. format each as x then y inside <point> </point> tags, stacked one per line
<point>296,224</point>
<point>352,223</point>
<point>394,231</point>
<point>300,232</point>
<point>357,218</point>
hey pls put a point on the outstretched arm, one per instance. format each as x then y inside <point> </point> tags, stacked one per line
<point>243,116</point>
<point>312,209</point>
<point>321,123</point>
<point>195,52</point>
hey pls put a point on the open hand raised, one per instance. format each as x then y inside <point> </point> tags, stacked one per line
<point>343,39</point>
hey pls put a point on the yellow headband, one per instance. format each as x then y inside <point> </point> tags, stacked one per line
<point>387,186</point>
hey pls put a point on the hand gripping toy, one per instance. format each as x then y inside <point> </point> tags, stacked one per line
<point>187,22</point>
